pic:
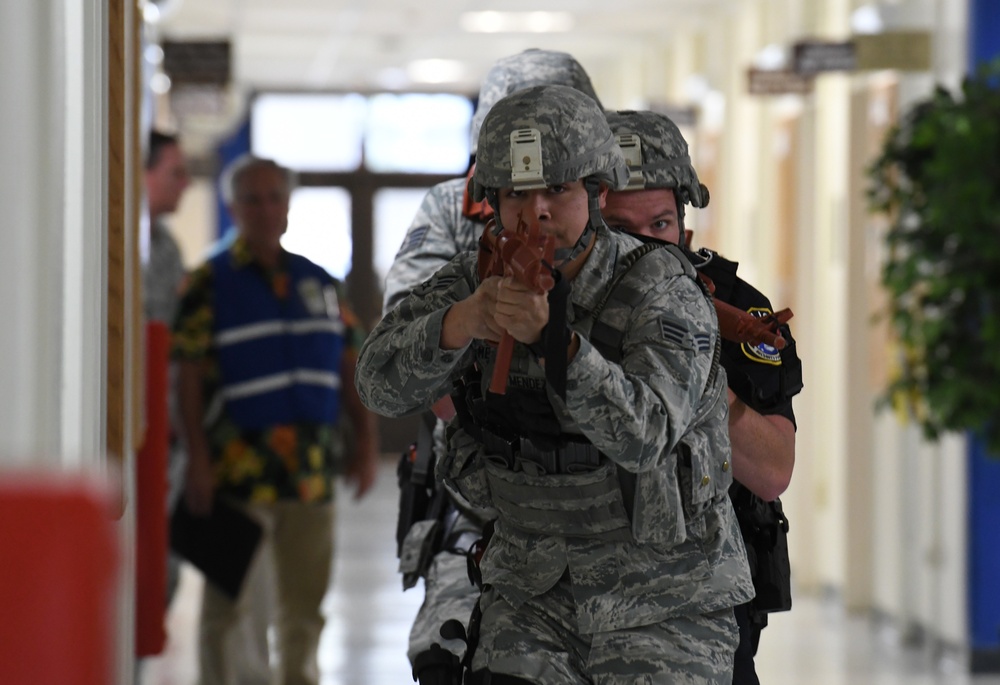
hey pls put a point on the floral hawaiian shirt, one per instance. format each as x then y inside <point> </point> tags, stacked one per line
<point>283,461</point>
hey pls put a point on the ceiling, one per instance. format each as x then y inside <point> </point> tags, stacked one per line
<point>377,45</point>
<point>370,45</point>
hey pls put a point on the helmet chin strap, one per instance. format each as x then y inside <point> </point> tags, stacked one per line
<point>682,237</point>
<point>565,255</point>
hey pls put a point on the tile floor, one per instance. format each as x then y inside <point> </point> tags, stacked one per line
<point>369,619</point>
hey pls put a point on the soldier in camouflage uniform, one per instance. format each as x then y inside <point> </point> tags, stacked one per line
<point>447,223</point>
<point>761,379</point>
<point>616,555</point>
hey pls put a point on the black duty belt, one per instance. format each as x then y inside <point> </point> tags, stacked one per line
<point>520,454</point>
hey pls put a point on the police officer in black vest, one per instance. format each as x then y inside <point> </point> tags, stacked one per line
<point>762,380</point>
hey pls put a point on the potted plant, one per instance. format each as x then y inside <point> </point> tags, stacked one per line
<point>938,180</point>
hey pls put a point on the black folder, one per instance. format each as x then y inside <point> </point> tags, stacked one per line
<point>220,545</point>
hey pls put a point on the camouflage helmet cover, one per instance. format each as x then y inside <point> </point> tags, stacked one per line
<point>545,136</point>
<point>657,155</point>
<point>529,68</point>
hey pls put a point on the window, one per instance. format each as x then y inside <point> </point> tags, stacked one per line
<point>319,227</point>
<point>418,133</point>
<point>309,132</point>
<point>394,210</point>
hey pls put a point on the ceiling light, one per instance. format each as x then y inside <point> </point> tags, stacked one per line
<point>516,22</point>
<point>771,57</point>
<point>159,83</point>
<point>548,22</point>
<point>435,70</point>
<point>867,19</point>
<point>392,78</point>
<point>153,54</point>
<point>151,13</point>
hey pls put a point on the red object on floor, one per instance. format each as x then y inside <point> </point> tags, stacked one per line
<point>151,499</point>
<point>57,583</point>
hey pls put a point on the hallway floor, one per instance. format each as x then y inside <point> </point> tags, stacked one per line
<point>817,643</point>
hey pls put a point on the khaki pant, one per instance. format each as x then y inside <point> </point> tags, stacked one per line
<point>299,539</point>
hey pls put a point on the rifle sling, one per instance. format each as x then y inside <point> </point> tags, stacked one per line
<point>556,334</point>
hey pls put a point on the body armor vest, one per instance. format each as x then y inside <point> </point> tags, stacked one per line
<point>542,479</point>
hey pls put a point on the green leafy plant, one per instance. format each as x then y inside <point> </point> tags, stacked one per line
<point>938,180</point>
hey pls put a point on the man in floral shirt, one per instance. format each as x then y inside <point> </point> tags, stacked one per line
<point>266,348</point>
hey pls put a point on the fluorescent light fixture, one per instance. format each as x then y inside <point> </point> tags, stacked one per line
<point>435,70</point>
<point>153,54</point>
<point>151,13</point>
<point>696,87</point>
<point>516,22</point>
<point>392,78</point>
<point>771,57</point>
<point>159,83</point>
<point>867,19</point>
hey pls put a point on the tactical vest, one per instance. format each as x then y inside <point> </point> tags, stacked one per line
<point>544,481</point>
<point>279,358</point>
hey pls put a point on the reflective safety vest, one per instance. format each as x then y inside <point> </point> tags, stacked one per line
<point>279,358</point>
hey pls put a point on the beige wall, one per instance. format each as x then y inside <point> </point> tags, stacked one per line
<point>788,201</point>
<point>194,223</point>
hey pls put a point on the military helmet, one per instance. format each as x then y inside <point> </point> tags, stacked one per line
<point>657,155</point>
<point>545,136</point>
<point>529,68</point>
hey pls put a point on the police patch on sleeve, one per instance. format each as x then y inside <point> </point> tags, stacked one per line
<point>762,353</point>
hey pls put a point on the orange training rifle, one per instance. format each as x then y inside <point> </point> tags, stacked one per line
<point>526,254</point>
<point>743,327</point>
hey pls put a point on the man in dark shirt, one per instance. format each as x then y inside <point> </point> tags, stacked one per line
<point>762,379</point>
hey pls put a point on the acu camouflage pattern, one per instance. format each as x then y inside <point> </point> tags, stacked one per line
<point>448,594</point>
<point>648,415</point>
<point>665,159</point>
<point>576,141</point>
<point>685,650</point>
<point>438,232</point>
<point>526,69</point>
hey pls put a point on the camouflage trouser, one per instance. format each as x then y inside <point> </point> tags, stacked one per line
<point>449,595</point>
<point>538,643</point>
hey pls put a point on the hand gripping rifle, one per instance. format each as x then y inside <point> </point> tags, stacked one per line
<point>527,255</point>
<point>743,327</point>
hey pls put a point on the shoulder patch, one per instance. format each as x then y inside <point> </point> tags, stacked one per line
<point>436,282</point>
<point>677,332</point>
<point>673,331</point>
<point>414,239</point>
<point>762,353</point>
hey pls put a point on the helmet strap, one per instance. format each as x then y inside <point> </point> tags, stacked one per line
<point>565,255</point>
<point>682,237</point>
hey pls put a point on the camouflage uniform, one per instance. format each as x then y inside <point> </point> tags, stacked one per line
<point>617,538</point>
<point>439,231</point>
<point>685,557</point>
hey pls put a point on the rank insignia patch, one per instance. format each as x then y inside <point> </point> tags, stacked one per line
<point>413,240</point>
<point>762,353</point>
